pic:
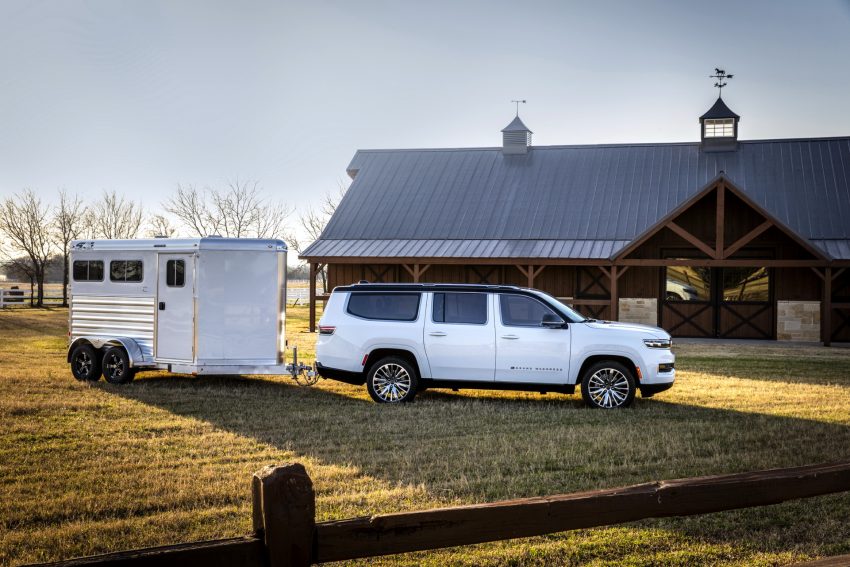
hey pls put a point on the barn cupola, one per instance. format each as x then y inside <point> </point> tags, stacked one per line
<point>516,137</point>
<point>719,128</point>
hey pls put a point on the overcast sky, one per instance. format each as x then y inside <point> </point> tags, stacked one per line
<point>139,95</point>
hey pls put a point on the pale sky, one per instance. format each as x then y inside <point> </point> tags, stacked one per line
<point>140,95</point>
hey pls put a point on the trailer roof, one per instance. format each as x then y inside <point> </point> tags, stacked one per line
<point>182,244</point>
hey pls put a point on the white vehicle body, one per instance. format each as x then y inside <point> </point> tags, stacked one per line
<point>196,306</point>
<point>493,352</point>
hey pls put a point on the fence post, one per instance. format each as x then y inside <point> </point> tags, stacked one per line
<point>285,510</point>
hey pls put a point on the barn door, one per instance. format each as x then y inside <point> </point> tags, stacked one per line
<point>718,302</point>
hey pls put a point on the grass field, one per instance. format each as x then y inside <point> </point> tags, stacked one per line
<point>90,468</point>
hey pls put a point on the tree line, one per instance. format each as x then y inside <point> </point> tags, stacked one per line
<point>36,233</point>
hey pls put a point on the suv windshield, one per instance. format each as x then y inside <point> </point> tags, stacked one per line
<point>570,315</point>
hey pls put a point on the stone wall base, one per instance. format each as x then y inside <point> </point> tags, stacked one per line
<point>639,310</point>
<point>798,321</point>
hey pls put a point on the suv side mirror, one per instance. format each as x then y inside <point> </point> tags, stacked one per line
<point>551,321</point>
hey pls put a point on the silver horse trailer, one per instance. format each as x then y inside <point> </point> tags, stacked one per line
<point>194,306</point>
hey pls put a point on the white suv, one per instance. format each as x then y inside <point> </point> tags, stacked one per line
<point>401,338</point>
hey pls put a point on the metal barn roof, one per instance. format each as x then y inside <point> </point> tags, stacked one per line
<point>574,201</point>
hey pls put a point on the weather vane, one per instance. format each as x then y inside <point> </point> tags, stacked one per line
<point>721,76</point>
<point>517,105</point>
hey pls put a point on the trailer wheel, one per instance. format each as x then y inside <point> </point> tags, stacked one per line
<point>392,380</point>
<point>116,366</point>
<point>85,363</point>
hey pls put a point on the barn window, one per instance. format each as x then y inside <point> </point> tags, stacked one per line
<point>746,284</point>
<point>720,128</point>
<point>688,283</point>
<point>88,270</point>
<point>125,270</point>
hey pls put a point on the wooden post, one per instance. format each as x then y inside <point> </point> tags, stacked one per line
<point>720,221</point>
<point>313,273</point>
<point>826,320</point>
<point>288,514</point>
<point>615,297</point>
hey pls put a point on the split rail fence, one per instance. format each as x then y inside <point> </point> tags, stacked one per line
<point>286,532</point>
<point>23,298</point>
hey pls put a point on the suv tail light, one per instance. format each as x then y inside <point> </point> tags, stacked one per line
<point>326,330</point>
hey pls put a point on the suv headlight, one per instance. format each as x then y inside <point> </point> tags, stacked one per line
<point>658,343</point>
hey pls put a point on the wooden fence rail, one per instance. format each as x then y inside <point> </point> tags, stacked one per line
<point>286,533</point>
<point>22,298</point>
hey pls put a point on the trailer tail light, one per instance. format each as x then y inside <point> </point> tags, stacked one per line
<point>326,330</point>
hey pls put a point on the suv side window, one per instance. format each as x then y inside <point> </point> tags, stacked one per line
<point>522,311</point>
<point>384,306</point>
<point>464,308</point>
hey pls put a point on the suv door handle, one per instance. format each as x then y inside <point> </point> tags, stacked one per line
<point>510,337</point>
<point>437,334</point>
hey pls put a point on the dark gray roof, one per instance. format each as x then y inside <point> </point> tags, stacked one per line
<point>478,248</point>
<point>516,125</point>
<point>416,200</point>
<point>719,110</point>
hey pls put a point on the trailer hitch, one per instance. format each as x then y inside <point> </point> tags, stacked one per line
<point>303,374</point>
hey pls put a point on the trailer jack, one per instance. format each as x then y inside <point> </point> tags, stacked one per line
<point>303,374</point>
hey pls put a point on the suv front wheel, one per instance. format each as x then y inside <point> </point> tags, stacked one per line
<point>392,380</point>
<point>608,385</point>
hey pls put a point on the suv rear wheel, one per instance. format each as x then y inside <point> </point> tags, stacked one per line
<point>392,380</point>
<point>608,385</point>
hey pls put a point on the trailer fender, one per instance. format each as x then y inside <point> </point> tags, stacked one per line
<point>134,351</point>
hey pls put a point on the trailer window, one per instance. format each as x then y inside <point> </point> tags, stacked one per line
<point>125,270</point>
<point>385,306</point>
<point>88,270</point>
<point>175,273</point>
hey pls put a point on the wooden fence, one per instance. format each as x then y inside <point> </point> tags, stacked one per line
<point>22,298</point>
<point>286,532</point>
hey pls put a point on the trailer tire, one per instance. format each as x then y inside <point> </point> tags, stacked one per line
<point>116,366</point>
<point>85,363</point>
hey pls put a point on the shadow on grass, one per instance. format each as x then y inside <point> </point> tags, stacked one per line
<point>492,446</point>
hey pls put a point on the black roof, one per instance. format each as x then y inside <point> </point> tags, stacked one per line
<point>719,110</point>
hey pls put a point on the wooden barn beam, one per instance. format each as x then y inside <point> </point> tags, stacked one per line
<point>615,297</point>
<point>692,239</point>
<point>313,272</point>
<point>826,318</point>
<point>747,238</point>
<point>720,220</point>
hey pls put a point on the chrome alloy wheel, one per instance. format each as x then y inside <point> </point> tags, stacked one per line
<point>391,382</point>
<point>608,387</point>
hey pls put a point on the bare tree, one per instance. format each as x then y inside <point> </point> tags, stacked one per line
<point>20,268</point>
<point>313,222</point>
<point>115,217</point>
<point>26,223</point>
<point>68,224</point>
<point>160,226</point>
<point>239,210</point>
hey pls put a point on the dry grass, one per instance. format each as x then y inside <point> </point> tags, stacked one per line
<point>93,468</point>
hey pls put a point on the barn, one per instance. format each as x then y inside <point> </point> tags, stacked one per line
<point>720,238</point>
